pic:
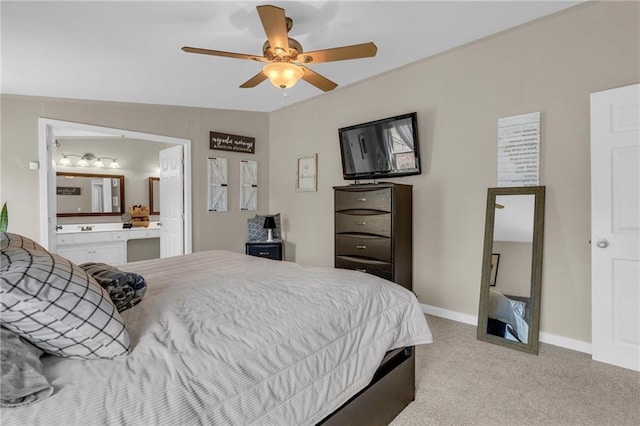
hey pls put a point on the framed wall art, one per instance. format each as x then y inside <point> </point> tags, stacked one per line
<point>248,185</point>
<point>217,185</point>
<point>307,169</point>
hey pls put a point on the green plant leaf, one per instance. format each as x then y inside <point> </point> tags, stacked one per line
<point>4,218</point>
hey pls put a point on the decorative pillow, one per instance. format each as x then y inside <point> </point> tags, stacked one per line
<point>125,289</point>
<point>58,307</point>
<point>8,239</point>
<point>22,381</point>
<point>258,233</point>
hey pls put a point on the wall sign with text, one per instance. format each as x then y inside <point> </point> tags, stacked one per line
<point>227,142</point>
<point>519,150</point>
<point>67,190</point>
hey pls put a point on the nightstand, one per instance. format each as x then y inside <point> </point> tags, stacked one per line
<point>268,249</point>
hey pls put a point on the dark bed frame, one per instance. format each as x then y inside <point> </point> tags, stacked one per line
<point>390,391</point>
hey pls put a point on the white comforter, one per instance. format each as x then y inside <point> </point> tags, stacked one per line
<point>223,338</point>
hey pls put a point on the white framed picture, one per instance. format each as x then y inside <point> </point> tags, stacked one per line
<point>307,179</point>
<point>217,191</point>
<point>248,185</point>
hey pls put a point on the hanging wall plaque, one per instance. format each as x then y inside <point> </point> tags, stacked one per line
<point>227,142</point>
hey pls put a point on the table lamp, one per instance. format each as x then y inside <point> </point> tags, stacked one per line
<point>269,225</point>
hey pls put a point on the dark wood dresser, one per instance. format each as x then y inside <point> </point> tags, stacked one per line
<point>373,230</point>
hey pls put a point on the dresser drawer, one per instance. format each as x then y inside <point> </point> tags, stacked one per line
<point>139,234</point>
<point>267,250</point>
<point>377,224</point>
<point>381,269</point>
<point>379,199</point>
<point>91,237</point>
<point>62,239</point>
<point>378,248</point>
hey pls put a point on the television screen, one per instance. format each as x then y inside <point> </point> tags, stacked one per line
<point>381,148</point>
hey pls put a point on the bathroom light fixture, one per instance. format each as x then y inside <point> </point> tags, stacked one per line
<point>64,161</point>
<point>88,160</point>
<point>83,162</point>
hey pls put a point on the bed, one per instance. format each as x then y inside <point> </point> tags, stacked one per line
<point>508,316</point>
<point>225,338</point>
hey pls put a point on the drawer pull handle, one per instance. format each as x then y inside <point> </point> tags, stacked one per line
<point>361,223</point>
<point>361,270</point>
<point>263,253</point>
<point>362,247</point>
<point>361,199</point>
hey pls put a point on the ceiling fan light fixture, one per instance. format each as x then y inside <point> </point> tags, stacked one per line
<point>283,74</point>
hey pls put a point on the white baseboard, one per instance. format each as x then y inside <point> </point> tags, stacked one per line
<point>551,339</point>
<point>565,342</point>
<point>451,315</point>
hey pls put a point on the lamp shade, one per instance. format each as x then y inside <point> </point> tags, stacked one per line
<point>269,222</point>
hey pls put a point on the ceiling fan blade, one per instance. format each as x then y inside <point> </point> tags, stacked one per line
<point>275,26</point>
<point>225,54</point>
<point>254,81</point>
<point>356,51</point>
<point>317,80</point>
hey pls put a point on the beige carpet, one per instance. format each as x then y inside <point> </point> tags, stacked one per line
<point>463,381</point>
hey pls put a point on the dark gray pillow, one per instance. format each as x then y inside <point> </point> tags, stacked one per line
<point>125,289</point>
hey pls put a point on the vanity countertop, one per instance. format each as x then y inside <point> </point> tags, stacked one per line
<point>86,228</point>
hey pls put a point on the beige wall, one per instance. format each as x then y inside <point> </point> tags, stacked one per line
<point>551,66</point>
<point>514,268</point>
<point>19,145</point>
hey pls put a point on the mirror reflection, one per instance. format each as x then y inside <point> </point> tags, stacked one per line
<point>510,294</point>
<point>86,194</point>
<point>154,195</point>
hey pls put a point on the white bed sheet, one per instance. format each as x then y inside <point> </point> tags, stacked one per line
<point>223,338</point>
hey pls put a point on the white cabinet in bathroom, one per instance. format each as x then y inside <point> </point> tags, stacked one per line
<point>102,245</point>
<point>111,253</point>
<point>92,247</point>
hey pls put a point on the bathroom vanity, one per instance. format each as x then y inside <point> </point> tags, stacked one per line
<point>103,242</point>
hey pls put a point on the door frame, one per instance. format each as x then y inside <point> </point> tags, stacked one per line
<point>49,126</point>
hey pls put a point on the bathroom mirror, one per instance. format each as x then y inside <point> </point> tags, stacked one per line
<point>509,313</point>
<point>154,195</point>
<point>87,194</point>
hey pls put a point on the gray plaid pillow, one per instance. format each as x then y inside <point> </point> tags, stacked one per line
<point>8,239</point>
<point>58,307</point>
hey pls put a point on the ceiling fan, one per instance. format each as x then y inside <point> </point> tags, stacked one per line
<point>284,56</point>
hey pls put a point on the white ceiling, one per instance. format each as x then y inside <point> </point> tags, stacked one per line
<point>130,51</point>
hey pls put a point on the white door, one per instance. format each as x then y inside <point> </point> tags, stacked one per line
<point>615,226</point>
<point>171,202</point>
<point>50,188</point>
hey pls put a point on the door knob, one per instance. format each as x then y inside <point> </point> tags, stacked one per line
<point>602,243</point>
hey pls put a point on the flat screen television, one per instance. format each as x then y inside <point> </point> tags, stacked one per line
<point>380,149</point>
